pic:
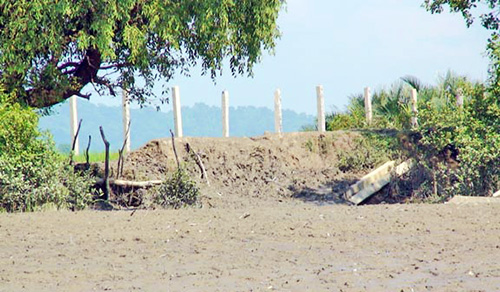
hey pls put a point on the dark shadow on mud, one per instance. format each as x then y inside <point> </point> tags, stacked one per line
<point>331,193</point>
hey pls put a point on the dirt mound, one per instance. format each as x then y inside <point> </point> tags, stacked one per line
<point>269,167</point>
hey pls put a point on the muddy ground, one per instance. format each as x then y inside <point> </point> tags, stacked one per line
<point>290,246</point>
<point>271,220</point>
<point>257,170</point>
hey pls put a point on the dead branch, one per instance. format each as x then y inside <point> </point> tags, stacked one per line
<point>198,161</point>
<point>74,142</point>
<point>175,151</point>
<point>106,188</point>
<point>121,162</point>
<point>87,158</point>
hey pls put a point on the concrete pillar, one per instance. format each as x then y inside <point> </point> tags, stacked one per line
<point>460,97</point>
<point>176,102</point>
<point>73,122</point>
<point>278,118</point>
<point>368,106</point>
<point>321,108</point>
<point>126,120</point>
<point>414,109</point>
<point>225,114</point>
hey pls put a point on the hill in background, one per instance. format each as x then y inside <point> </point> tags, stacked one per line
<point>199,120</point>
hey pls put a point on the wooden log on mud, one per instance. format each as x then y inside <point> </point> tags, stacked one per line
<point>128,183</point>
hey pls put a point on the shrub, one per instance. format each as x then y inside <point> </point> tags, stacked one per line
<point>368,152</point>
<point>177,191</point>
<point>32,173</point>
<point>474,131</point>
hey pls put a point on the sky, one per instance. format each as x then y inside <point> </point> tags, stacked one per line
<point>345,46</point>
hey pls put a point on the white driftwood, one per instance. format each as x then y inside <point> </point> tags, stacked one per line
<point>376,180</point>
<point>366,180</point>
<point>128,183</point>
<point>497,194</point>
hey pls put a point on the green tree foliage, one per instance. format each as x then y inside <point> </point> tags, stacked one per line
<point>50,50</point>
<point>487,11</point>
<point>489,19</point>
<point>474,131</point>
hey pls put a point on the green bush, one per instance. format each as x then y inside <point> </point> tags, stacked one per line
<point>177,191</point>
<point>32,173</point>
<point>474,131</point>
<point>369,151</point>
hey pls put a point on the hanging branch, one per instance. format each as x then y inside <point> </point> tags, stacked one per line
<point>175,151</point>
<point>106,166</point>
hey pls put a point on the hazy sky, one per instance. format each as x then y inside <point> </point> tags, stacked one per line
<point>345,46</point>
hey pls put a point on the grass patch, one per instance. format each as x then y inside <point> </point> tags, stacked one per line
<point>96,157</point>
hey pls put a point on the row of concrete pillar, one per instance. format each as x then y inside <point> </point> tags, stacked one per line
<point>278,118</point>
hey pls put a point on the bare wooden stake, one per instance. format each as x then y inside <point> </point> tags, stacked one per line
<point>87,158</point>
<point>74,144</point>
<point>175,151</point>
<point>106,166</point>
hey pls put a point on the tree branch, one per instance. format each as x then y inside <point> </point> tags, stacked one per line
<point>68,64</point>
<point>115,66</point>
<point>105,82</point>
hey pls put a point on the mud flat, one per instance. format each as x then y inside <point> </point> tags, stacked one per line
<point>290,246</point>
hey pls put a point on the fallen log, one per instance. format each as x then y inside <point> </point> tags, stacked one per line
<point>128,183</point>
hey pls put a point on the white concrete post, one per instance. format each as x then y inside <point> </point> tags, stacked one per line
<point>225,114</point>
<point>126,120</point>
<point>414,109</point>
<point>368,106</point>
<point>460,97</point>
<point>73,122</point>
<point>278,118</point>
<point>321,108</point>
<point>176,102</point>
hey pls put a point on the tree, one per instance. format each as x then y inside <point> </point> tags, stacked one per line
<point>489,20</point>
<point>50,50</point>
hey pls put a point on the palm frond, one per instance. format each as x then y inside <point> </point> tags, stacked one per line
<point>413,82</point>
